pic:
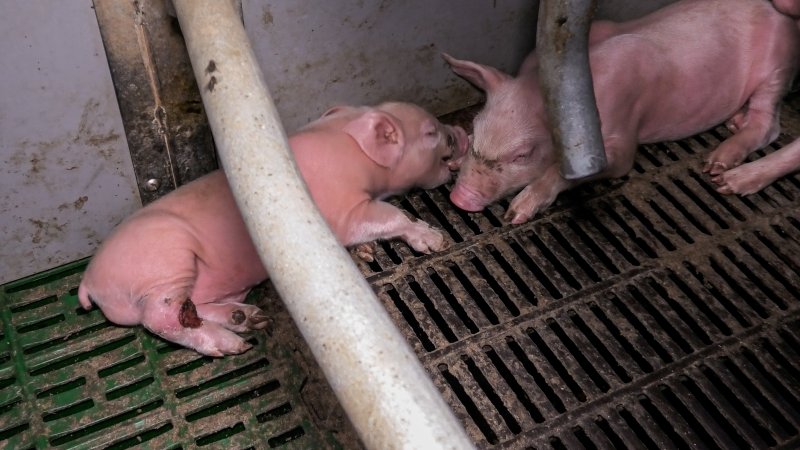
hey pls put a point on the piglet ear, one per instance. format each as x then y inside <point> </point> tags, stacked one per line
<point>484,77</point>
<point>379,136</point>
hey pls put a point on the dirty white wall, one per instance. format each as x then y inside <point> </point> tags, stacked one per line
<point>65,171</point>
<point>315,54</point>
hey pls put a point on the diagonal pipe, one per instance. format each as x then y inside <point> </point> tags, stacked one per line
<point>562,43</point>
<point>377,378</point>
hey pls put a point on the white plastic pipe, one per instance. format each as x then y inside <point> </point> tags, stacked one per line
<point>377,378</point>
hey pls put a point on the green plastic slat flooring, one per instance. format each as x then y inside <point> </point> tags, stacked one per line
<point>71,379</point>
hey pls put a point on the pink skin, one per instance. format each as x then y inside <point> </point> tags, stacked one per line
<point>789,7</point>
<point>183,265</point>
<point>754,176</point>
<point>655,79</point>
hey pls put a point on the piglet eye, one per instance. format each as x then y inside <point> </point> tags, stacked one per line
<point>451,141</point>
<point>520,157</point>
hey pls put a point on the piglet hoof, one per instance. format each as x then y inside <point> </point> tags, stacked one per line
<point>243,318</point>
<point>714,167</point>
<point>425,239</point>
<point>529,202</point>
<point>735,123</point>
<point>365,251</point>
<point>219,349</point>
<point>238,317</point>
<point>258,321</point>
<point>515,217</point>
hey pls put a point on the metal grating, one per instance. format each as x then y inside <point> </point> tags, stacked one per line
<point>71,379</point>
<point>644,312</point>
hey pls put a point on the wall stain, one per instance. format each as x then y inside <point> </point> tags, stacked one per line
<point>78,204</point>
<point>50,230</point>
<point>268,18</point>
<point>86,133</point>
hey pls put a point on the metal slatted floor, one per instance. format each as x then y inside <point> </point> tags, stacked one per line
<point>644,312</point>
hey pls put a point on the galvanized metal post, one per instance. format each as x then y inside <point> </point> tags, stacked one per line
<point>376,376</point>
<point>562,42</point>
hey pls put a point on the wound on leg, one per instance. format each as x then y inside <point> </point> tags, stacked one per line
<point>187,316</point>
<point>237,317</point>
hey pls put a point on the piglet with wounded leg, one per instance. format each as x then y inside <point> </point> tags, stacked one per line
<point>674,73</point>
<point>183,265</point>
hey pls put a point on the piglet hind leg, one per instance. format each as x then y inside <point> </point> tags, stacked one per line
<point>754,127</point>
<point>175,319</point>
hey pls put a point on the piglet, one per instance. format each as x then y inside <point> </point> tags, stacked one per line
<point>666,76</point>
<point>183,265</point>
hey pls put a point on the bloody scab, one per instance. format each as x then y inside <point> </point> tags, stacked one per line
<point>187,316</point>
<point>211,67</point>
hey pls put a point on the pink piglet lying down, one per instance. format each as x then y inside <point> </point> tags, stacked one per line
<point>183,265</point>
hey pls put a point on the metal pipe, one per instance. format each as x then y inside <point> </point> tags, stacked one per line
<point>562,42</point>
<point>376,376</point>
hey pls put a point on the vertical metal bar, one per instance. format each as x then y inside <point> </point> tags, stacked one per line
<point>562,42</point>
<point>378,379</point>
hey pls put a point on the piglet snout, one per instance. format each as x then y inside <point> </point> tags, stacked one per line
<point>467,198</point>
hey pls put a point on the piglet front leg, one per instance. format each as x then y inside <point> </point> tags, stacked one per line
<point>537,196</point>
<point>379,220</point>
